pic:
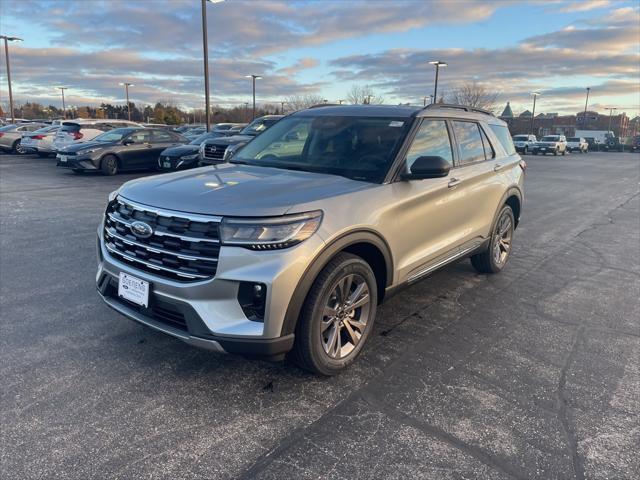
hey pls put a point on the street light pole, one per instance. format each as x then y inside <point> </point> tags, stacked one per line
<point>611,109</point>
<point>6,54</point>
<point>584,116</point>
<point>126,89</point>
<point>64,108</point>
<point>282,108</point>
<point>438,64</point>
<point>533,115</point>
<point>253,79</point>
<point>205,49</point>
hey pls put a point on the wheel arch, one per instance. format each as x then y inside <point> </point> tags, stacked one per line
<point>367,244</point>
<point>112,154</point>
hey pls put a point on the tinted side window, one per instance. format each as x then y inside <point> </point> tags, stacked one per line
<point>140,136</point>
<point>502,133</point>
<point>162,136</point>
<point>469,142</point>
<point>489,151</point>
<point>432,140</point>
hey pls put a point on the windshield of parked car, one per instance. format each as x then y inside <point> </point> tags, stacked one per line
<point>520,138</point>
<point>257,126</point>
<point>360,148</point>
<point>114,135</point>
<point>551,138</point>
<point>205,136</point>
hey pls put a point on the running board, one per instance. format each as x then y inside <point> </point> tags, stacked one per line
<point>418,275</point>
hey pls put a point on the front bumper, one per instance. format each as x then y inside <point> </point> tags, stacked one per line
<point>177,163</point>
<point>76,162</point>
<point>207,313</point>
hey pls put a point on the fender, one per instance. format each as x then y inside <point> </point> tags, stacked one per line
<point>319,262</point>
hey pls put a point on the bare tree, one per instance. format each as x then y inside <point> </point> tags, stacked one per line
<point>474,94</point>
<point>300,102</point>
<point>363,94</point>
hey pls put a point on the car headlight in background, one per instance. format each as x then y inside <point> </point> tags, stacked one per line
<point>269,233</point>
<point>88,150</point>
<point>231,151</point>
<point>189,157</point>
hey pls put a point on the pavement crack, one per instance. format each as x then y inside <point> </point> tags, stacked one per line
<point>564,413</point>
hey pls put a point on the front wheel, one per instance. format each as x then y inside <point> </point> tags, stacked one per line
<point>337,317</point>
<point>495,257</point>
<point>109,165</point>
<point>564,151</point>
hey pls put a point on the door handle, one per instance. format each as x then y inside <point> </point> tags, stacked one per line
<point>453,182</point>
<point>498,167</point>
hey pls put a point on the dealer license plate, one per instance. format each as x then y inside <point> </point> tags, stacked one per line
<point>133,289</point>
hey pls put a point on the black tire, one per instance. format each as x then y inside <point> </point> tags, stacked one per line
<point>109,165</point>
<point>555,152</point>
<point>564,151</point>
<point>525,151</point>
<point>535,152</point>
<point>14,147</point>
<point>308,351</point>
<point>486,262</point>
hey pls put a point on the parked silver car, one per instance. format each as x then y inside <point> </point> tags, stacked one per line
<point>11,135</point>
<point>291,252</point>
<point>40,141</point>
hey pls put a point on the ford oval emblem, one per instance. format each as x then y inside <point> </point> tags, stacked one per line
<point>141,229</point>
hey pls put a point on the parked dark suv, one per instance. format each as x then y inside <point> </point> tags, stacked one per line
<point>291,246</point>
<point>221,149</point>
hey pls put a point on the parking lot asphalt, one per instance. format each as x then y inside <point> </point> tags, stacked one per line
<point>532,373</point>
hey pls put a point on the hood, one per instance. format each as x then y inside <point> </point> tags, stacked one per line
<point>180,150</point>
<point>237,190</point>
<point>76,147</point>
<point>232,140</point>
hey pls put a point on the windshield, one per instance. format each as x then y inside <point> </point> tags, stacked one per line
<point>258,125</point>
<point>114,135</point>
<point>360,148</point>
<point>520,138</point>
<point>551,138</point>
<point>201,138</point>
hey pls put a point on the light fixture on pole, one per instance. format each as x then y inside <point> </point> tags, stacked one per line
<point>205,49</point>
<point>611,109</point>
<point>282,108</point>
<point>126,89</point>
<point>437,64</point>
<point>253,79</point>
<point>584,116</point>
<point>6,54</point>
<point>64,108</point>
<point>535,95</point>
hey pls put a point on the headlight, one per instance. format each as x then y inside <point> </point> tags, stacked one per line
<point>231,151</point>
<point>269,233</point>
<point>89,150</point>
<point>189,157</point>
<point>113,195</point>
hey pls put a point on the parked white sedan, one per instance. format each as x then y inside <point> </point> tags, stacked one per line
<point>40,141</point>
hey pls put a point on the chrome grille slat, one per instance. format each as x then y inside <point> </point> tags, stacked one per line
<point>181,246</point>
<point>159,250</point>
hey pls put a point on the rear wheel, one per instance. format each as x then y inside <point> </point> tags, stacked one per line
<point>109,165</point>
<point>16,148</point>
<point>526,150</point>
<point>495,257</point>
<point>555,152</point>
<point>337,317</point>
<point>564,151</point>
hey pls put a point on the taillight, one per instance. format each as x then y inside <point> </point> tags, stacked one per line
<point>523,165</point>
<point>77,135</point>
<point>37,137</point>
<point>1,134</point>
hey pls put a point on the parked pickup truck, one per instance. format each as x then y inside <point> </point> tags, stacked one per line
<point>551,144</point>
<point>577,144</point>
<point>524,143</point>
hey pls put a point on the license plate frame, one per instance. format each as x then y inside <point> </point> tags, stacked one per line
<point>134,289</point>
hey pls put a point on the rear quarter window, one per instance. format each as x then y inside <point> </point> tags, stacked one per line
<point>504,137</point>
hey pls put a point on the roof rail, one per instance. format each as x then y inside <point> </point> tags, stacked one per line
<point>466,108</point>
<point>318,105</point>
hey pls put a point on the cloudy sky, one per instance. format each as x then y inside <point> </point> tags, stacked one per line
<point>324,47</point>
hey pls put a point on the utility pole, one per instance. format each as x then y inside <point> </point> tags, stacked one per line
<point>533,115</point>
<point>64,108</point>
<point>586,102</point>
<point>437,64</point>
<point>6,54</point>
<point>611,109</point>
<point>126,89</point>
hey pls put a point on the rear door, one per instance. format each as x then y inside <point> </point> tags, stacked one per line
<point>478,185</point>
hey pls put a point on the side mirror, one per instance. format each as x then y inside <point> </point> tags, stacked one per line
<point>128,141</point>
<point>428,167</point>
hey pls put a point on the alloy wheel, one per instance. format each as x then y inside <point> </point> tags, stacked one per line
<point>345,316</point>
<point>502,240</point>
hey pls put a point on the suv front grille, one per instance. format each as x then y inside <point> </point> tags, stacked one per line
<point>182,247</point>
<point>214,152</point>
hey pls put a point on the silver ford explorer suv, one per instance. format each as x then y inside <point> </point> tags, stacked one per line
<point>290,246</point>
